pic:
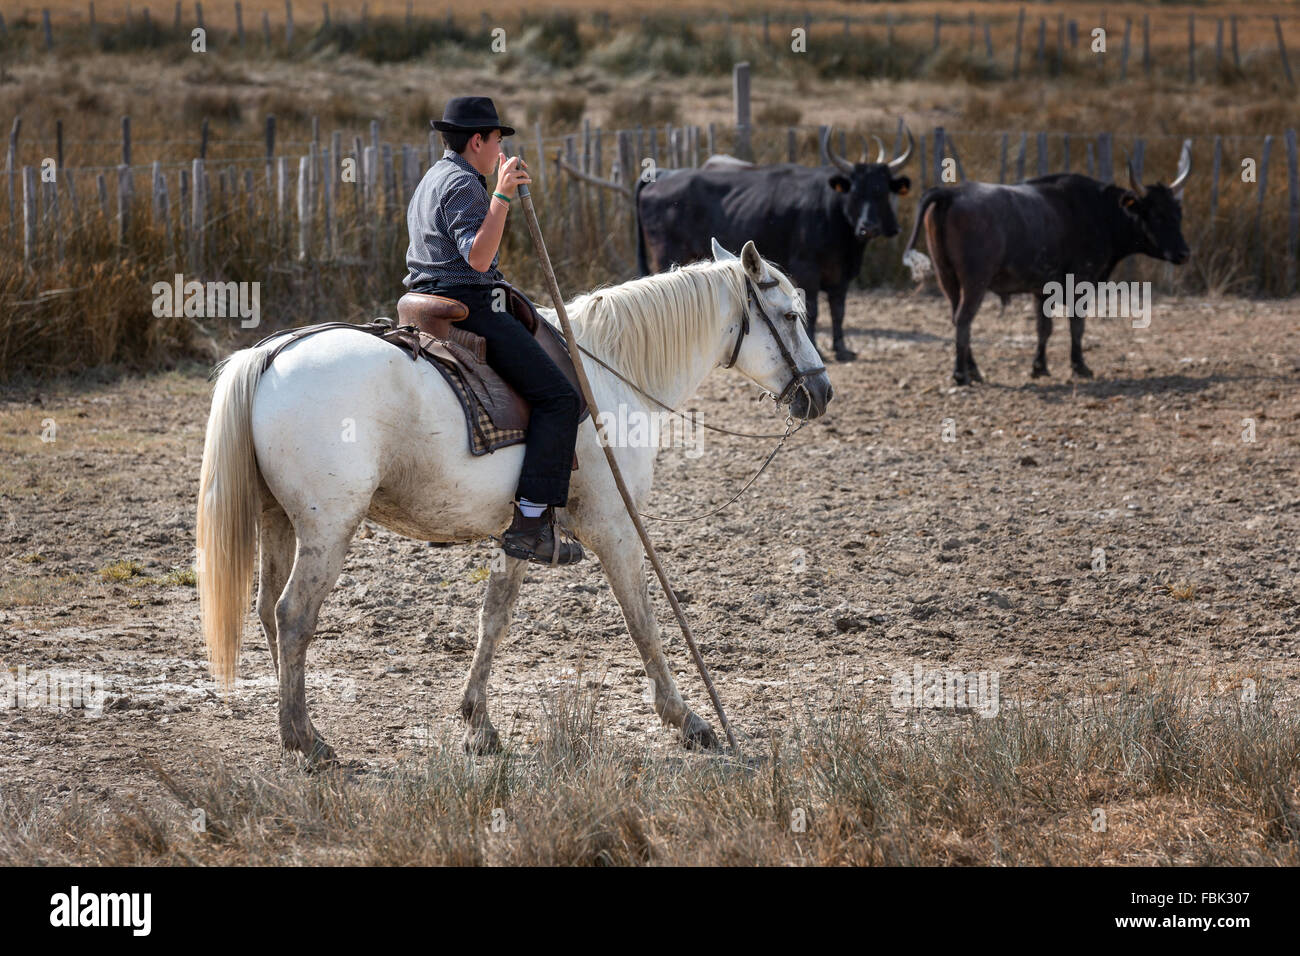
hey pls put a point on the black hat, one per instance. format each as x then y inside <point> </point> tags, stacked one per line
<point>470,114</point>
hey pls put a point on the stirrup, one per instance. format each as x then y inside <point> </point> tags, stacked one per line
<point>561,540</point>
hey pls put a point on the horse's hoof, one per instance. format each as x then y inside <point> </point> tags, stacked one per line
<point>1082,371</point>
<point>960,379</point>
<point>698,735</point>
<point>843,354</point>
<point>975,375</point>
<point>1039,371</point>
<point>482,742</point>
<point>321,755</point>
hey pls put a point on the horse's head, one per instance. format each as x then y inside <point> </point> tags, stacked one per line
<point>769,342</point>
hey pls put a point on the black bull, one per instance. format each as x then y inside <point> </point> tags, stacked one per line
<point>812,222</point>
<point>1014,239</point>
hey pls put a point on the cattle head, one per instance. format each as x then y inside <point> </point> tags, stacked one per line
<point>869,188</point>
<point>771,346</point>
<point>1156,212</point>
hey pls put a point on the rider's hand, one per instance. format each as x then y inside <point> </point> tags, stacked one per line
<point>511,174</point>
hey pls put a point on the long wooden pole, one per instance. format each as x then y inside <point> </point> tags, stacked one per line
<point>530,217</point>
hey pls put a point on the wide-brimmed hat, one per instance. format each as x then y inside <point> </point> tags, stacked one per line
<point>471,114</point>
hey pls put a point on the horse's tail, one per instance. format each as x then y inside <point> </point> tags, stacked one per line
<point>226,530</point>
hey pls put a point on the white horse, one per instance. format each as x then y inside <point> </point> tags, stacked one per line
<point>344,426</point>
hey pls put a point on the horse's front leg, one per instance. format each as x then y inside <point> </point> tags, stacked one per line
<point>621,553</point>
<point>493,622</point>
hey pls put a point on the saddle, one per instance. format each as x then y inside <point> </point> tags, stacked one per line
<point>495,414</point>
<point>433,315</point>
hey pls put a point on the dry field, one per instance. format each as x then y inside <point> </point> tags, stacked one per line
<point>1160,690</point>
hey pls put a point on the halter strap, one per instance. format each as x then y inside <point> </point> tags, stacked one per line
<point>753,302</point>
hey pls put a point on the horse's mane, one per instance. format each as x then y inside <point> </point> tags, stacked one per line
<point>652,328</point>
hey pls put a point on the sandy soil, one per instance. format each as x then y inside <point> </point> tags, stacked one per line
<point>869,545</point>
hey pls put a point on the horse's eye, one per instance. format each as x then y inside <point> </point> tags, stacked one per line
<point>792,316</point>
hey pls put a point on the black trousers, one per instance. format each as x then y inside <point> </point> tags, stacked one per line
<point>516,356</point>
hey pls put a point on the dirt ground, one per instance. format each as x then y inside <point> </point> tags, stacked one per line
<point>871,544</point>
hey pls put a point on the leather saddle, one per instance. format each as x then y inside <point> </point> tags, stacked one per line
<point>436,315</point>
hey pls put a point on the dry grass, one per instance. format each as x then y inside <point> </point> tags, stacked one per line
<point>1182,778</point>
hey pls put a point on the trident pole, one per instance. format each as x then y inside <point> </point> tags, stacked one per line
<point>530,216</point>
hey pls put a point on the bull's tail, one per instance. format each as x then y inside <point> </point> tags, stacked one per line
<point>642,264</point>
<point>918,262</point>
<point>226,529</point>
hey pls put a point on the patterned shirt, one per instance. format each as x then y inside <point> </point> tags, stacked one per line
<point>447,210</point>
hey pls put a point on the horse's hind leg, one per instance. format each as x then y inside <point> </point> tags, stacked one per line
<point>319,559</point>
<point>493,622</point>
<point>276,545</point>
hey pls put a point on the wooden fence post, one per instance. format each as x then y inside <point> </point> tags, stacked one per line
<point>1146,44</point>
<point>1105,158</point>
<point>11,170</point>
<point>304,207</point>
<point>197,209</point>
<point>1002,160</point>
<point>1259,207</point>
<point>1191,48</point>
<point>125,193</point>
<point>1123,57</point>
<point>1293,210</point>
<point>938,155</point>
<point>45,27</point>
<point>239,23</point>
<point>1020,157</point>
<point>1281,49</point>
<point>1236,55</point>
<point>288,24</point>
<point>29,215</point>
<point>1043,165</point>
<point>1214,185</point>
<point>1020,35</point>
<point>740,92</point>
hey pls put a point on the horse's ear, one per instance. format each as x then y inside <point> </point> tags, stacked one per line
<point>720,254</point>
<point>753,262</point>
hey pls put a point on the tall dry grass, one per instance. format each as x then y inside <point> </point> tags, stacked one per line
<point>1180,777</point>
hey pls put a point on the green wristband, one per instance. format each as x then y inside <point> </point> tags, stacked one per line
<point>506,198</point>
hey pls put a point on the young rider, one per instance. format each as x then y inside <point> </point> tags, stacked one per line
<point>456,224</point>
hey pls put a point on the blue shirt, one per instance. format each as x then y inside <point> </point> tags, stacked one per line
<point>446,212</point>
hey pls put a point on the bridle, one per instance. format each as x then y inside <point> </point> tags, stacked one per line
<point>753,303</point>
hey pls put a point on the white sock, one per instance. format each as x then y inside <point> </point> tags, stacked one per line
<point>531,509</point>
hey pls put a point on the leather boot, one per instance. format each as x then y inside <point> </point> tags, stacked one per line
<point>539,540</point>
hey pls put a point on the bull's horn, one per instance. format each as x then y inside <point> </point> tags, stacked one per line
<point>866,150</point>
<point>896,164</point>
<point>839,162</point>
<point>1134,183</point>
<point>880,148</point>
<point>1184,166</point>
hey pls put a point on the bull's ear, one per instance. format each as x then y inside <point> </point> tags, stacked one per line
<point>720,254</point>
<point>902,185</point>
<point>840,183</point>
<point>1128,200</point>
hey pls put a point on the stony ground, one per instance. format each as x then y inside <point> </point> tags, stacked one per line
<point>1064,534</point>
